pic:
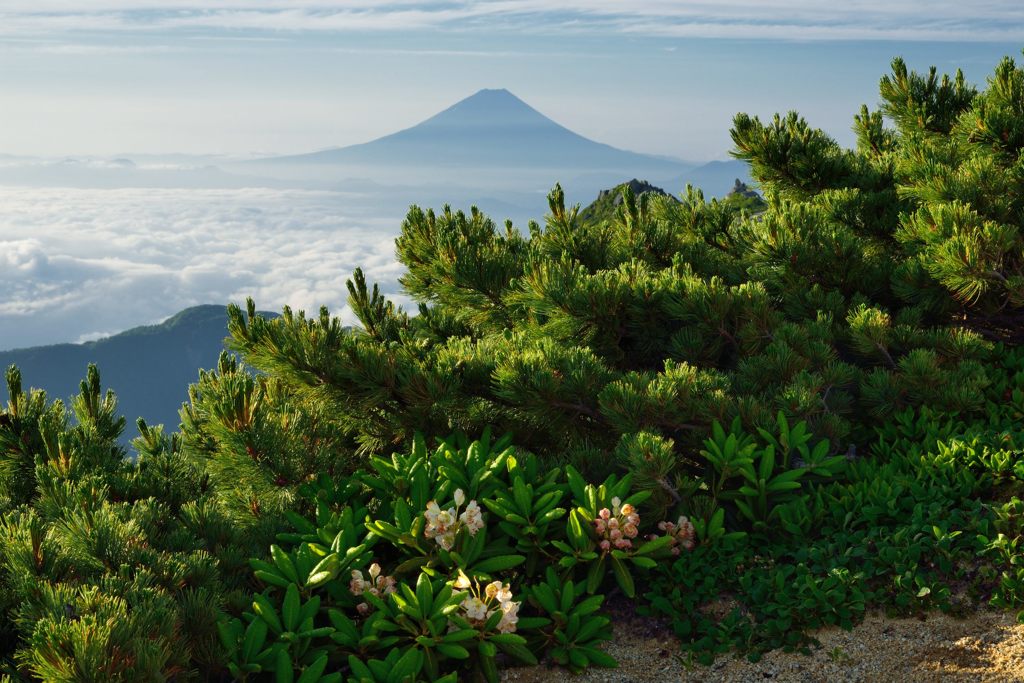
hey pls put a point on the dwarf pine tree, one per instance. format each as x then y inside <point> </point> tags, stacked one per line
<point>110,569</point>
<point>878,278</point>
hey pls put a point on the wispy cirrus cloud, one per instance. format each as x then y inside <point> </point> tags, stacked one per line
<point>899,20</point>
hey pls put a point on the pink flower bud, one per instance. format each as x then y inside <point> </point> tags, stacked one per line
<point>604,513</point>
<point>605,545</point>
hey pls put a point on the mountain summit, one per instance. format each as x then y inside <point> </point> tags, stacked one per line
<point>489,129</point>
<point>488,108</point>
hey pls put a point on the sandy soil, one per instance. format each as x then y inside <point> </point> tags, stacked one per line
<point>986,646</point>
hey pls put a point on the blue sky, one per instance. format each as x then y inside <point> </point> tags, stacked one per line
<point>664,76</point>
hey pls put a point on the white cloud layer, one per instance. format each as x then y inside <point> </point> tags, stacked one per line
<point>74,261</point>
<point>938,20</point>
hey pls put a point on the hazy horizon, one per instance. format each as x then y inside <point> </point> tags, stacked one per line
<point>243,77</point>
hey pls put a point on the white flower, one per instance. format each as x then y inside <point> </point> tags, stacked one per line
<point>445,518</point>
<point>504,594</point>
<point>460,497</point>
<point>432,510</point>
<point>462,582</point>
<point>509,617</point>
<point>476,609</point>
<point>472,518</point>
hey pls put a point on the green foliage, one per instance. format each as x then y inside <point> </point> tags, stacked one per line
<point>382,568</point>
<point>856,335</point>
<point>110,569</point>
<point>906,531</point>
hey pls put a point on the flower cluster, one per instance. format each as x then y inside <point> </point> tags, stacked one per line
<point>681,533</point>
<point>378,585</point>
<point>444,525</point>
<point>617,526</point>
<point>480,604</point>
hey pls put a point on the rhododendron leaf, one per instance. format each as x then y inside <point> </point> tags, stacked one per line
<point>654,545</point>
<point>284,673</point>
<point>375,601</point>
<point>637,498</point>
<point>290,608</point>
<point>424,593</point>
<point>522,496</point>
<point>589,605</point>
<point>599,657</point>
<point>577,659</point>
<point>767,464</point>
<point>550,516</point>
<point>533,623</point>
<point>255,636</point>
<point>545,596</point>
<point>568,595</point>
<point>564,547</point>
<point>453,651</point>
<point>498,564</point>
<point>595,575</point>
<point>516,519</point>
<point>443,596</point>
<point>515,648</point>
<point>497,507</point>
<point>407,593</point>
<point>284,563</point>
<point>309,609</point>
<point>623,577</point>
<point>459,635</point>
<point>775,487</point>
<point>314,671</point>
<point>487,649</point>
<point>548,499</point>
<point>589,628</point>
<point>261,606</point>
<point>576,483</point>
<point>273,578</point>
<point>411,564</point>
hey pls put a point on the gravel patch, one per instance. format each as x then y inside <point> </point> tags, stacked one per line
<point>985,646</point>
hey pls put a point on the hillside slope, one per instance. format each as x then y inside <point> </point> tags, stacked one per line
<point>148,367</point>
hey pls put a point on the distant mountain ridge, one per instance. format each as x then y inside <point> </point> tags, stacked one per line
<point>149,367</point>
<point>487,128</point>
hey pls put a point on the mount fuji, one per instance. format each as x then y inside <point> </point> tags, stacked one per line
<point>492,128</point>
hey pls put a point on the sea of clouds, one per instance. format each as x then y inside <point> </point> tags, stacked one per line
<point>78,264</point>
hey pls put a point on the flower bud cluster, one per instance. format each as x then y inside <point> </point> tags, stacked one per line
<point>444,525</point>
<point>481,603</point>
<point>378,585</point>
<point>681,533</point>
<point>617,527</point>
